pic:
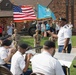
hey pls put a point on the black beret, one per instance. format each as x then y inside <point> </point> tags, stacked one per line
<point>49,44</point>
<point>2,38</point>
<point>62,19</point>
<point>23,45</point>
<point>6,42</point>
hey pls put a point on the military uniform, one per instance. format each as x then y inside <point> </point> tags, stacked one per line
<point>37,40</point>
<point>64,32</point>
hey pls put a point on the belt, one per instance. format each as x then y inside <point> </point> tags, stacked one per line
<point>63,45</point>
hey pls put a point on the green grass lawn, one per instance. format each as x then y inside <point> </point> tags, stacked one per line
<point>72,69</point>
<point>30,41</point>
<point>73,41</point>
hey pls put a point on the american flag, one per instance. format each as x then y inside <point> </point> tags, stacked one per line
<point>22,13</point>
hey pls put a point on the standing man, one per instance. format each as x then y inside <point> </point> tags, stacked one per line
<point>37,40</point>
<point>38,26</point>
<point>64,36</point>
<point>45,63</point>
<point>43,28</point>
<point>10,29</point>
<point>18,63</point>
<point>57,27</point>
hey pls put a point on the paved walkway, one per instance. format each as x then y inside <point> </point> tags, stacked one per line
<point>73,50</point>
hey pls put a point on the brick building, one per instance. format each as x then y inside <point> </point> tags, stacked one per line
<point>65,8</point>
<point>61,8</point>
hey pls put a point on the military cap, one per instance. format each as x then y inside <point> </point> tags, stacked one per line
<point>62,19</point>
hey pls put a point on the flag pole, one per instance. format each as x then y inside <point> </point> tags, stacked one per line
<point>37,9</point>
<point>13,20</point>
<point>15,27</point>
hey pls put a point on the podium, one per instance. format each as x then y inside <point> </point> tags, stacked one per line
<point>65,59</point>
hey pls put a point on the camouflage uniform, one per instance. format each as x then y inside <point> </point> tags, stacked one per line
<point>37,40</point>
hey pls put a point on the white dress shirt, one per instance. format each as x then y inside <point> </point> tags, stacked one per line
<point>17,63</point>
<point>57,27</point>
<point>43,28</point>
<point>46,64</point>
<point>64,33</point>
<point>3,55</point>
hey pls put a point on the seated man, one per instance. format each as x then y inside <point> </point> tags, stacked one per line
<point>18,63</point>
<point>37,40</point>
<point>45,63</point>
<point>5,53</point>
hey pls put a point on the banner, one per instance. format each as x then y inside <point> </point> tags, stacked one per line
<point>44,12</point>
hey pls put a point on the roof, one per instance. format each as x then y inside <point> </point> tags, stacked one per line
<point>6,13</point>
<point>31,2</point>
<point>25,2</point>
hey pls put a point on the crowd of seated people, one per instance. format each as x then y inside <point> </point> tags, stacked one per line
<point>18,63</point>
<point>14,56</point>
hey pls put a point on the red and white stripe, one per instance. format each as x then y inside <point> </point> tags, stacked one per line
<point>26,14</point>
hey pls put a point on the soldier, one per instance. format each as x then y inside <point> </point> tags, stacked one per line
<point>15,38</point>
<point>37,39</point>
<point>52,39</point>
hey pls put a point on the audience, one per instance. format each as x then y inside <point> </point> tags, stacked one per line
<point>19,57</point>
